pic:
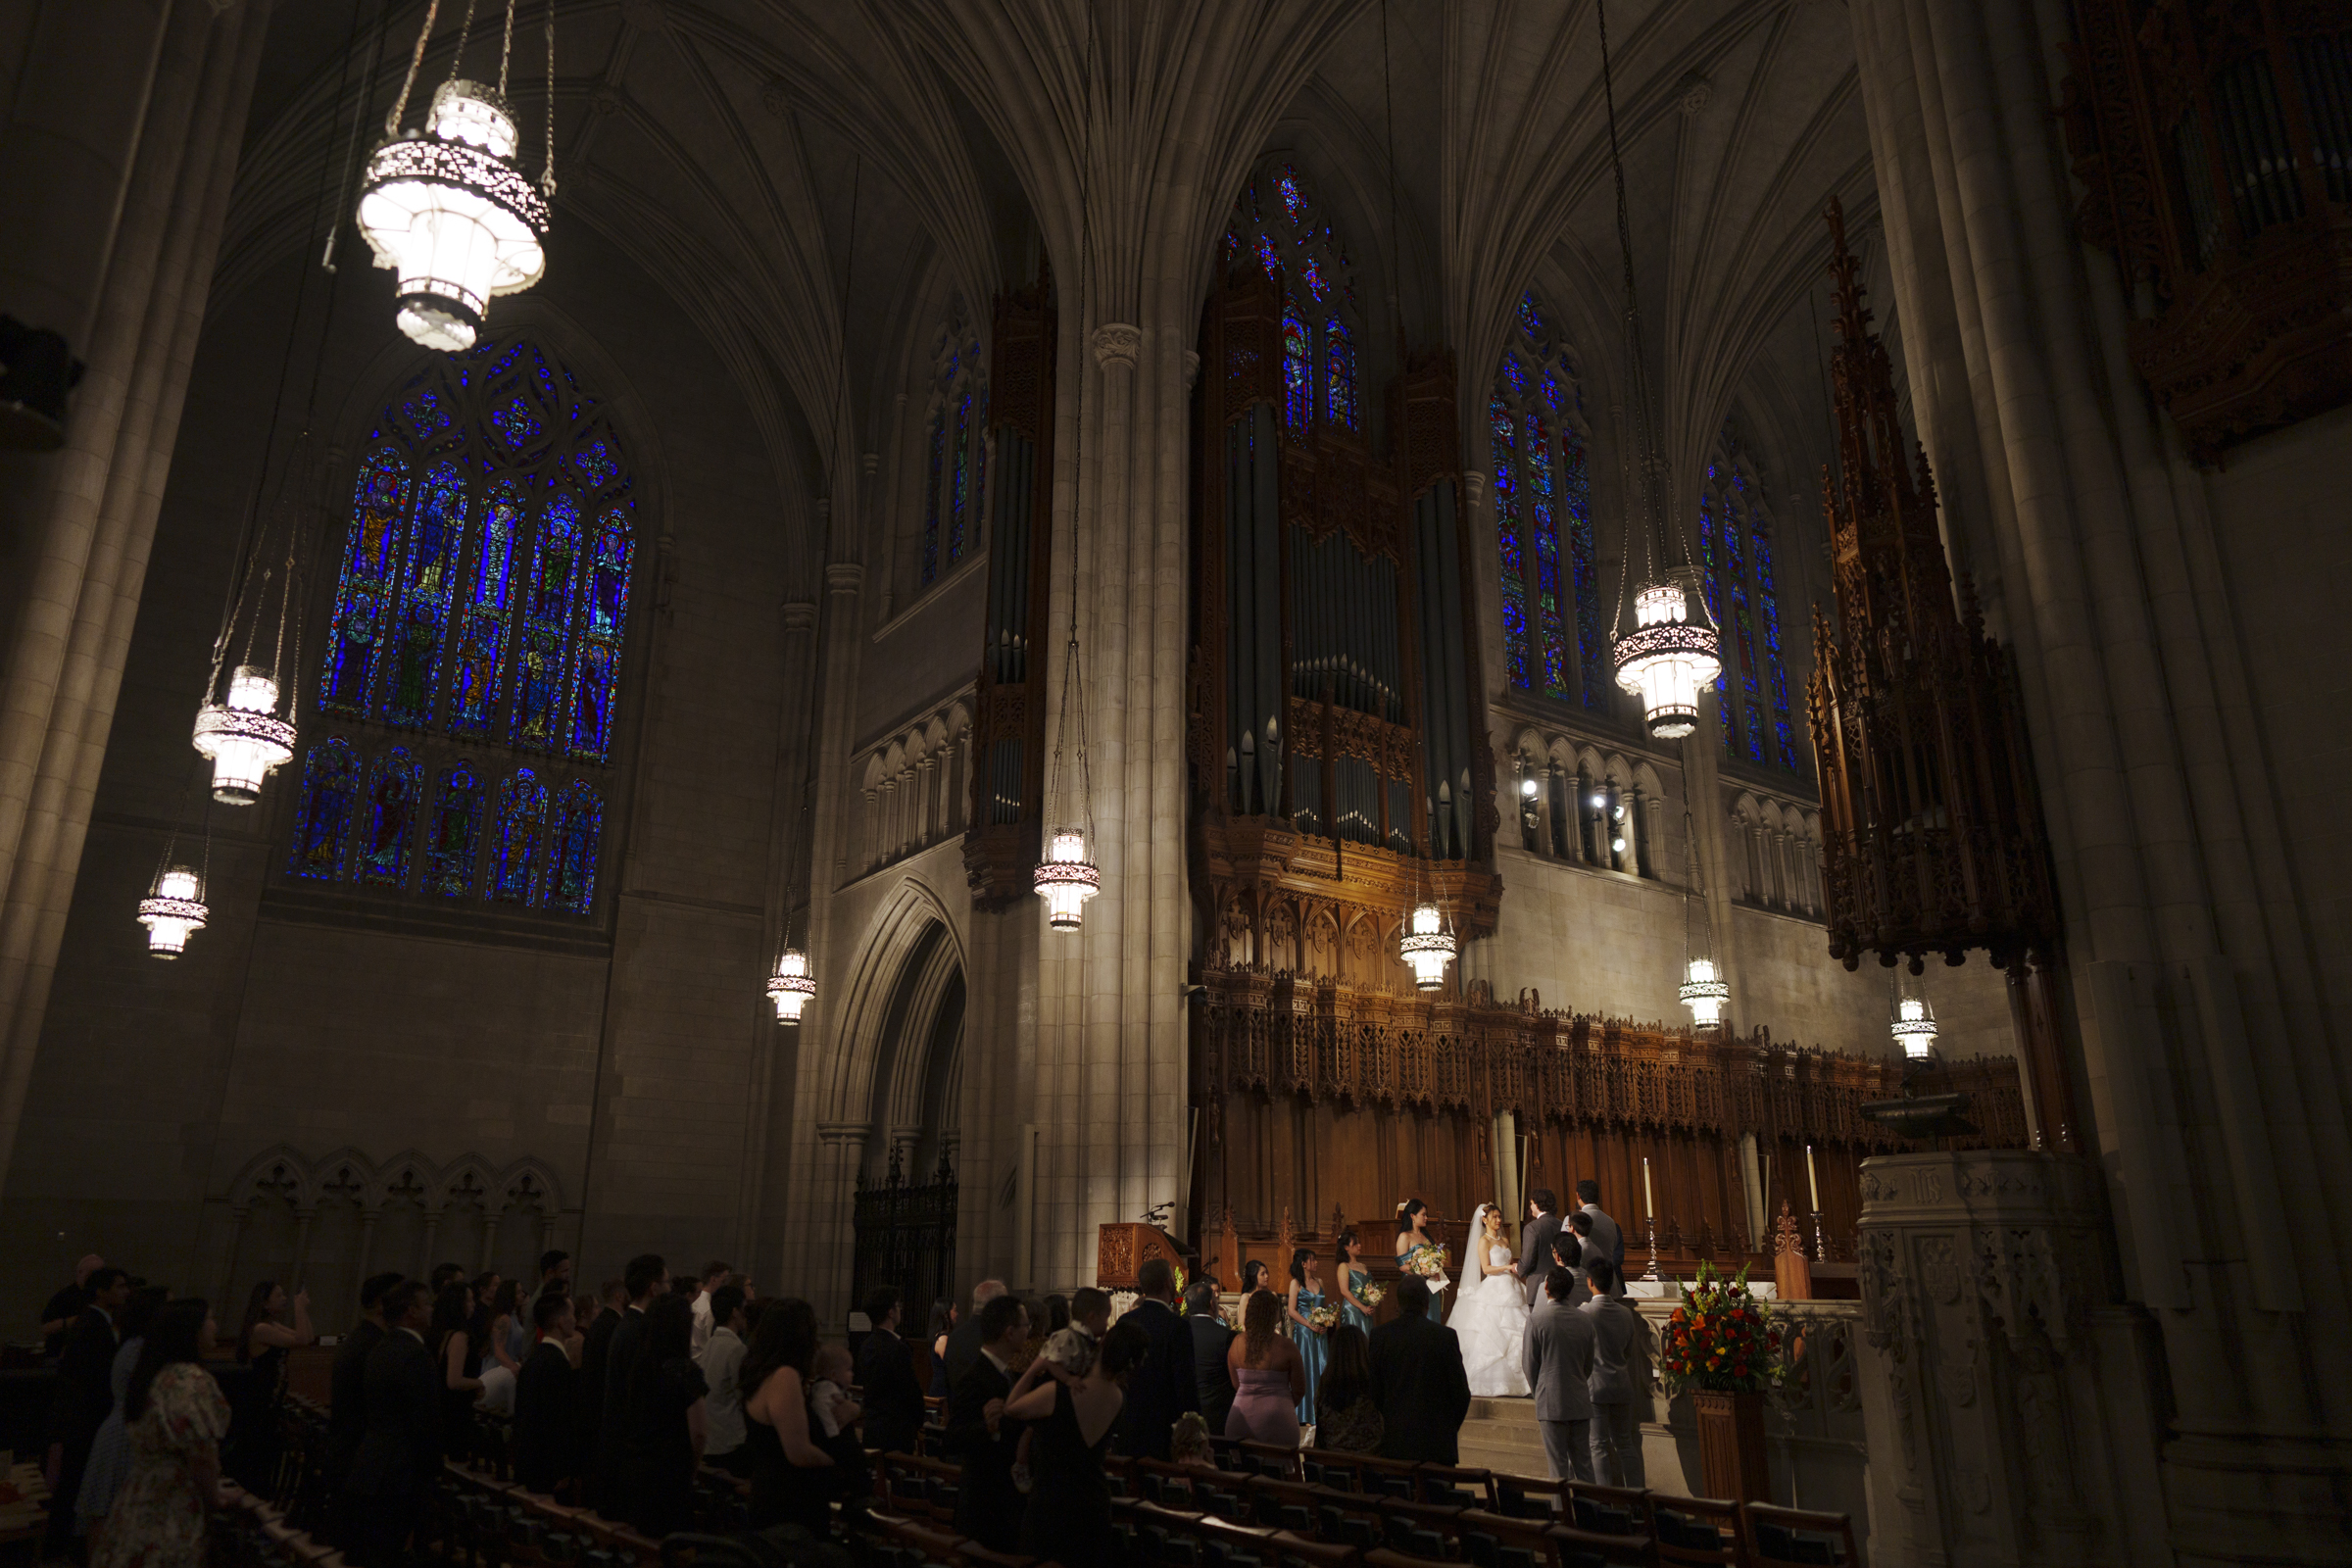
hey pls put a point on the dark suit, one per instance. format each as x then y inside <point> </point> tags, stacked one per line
<point>588,1389</point>
<point>347,1395</point>
<point>621,1361</point>
<point>1422,1392</point>
<point>987,1508</point>
<point>546,1451</point>
<point>400,1451</point>
<point>1162,1385</point>
<point>963,1348</point>
<point>85,1397</point>
<point>893,1399</point>
<point>1213,1381</point>
<point>1535,1255</point>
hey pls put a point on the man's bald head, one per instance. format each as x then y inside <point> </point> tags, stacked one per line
<point>89,1265</point>
<point>986,1292</point>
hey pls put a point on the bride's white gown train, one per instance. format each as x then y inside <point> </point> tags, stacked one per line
<point>1489,1318</point>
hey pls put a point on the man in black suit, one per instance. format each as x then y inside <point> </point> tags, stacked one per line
<point>1535,1241</point>
<point>963,1340</point>
<point>1417,1380</point>
<point>1163,1385</point>
<point>979,1437</point>
<point>86,1394</point>
<point>347,1389</point>
<point>399,1451</point>
<point>645,1278</point>
<point>1211,1339</point>
<point>546,1454</point>
<point>893,1399</point>
<point>66,1307</point>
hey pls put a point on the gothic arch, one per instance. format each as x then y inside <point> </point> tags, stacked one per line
<point>904,920</point>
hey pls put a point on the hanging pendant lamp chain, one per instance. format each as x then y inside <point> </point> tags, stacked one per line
<point>547,175</point>
<point>400,104</point>
<point>464,37</point>
<point>505,49</point>
<point>1073,673</point>
<point>350,147</point>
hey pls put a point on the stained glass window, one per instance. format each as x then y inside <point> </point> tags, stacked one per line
<point>518,853</point>
<point>1537,448</point>
<point>1735,532</point>
<point>578,828</point>
<point>1298,374</point>
<point>954,454</point>
<point>1338,373</point>
<point>481,606</point>
<point>1297,250</point>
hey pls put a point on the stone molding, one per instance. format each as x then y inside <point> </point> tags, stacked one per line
<point>1117,343</point>
<point>844,576</point>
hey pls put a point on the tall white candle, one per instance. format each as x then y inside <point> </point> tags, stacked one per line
<point>1649,1206</point>
<point>1811,1180</point>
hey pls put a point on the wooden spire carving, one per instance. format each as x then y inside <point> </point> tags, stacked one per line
<point>1931,826</point>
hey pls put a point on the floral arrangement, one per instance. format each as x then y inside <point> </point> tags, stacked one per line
<point>1427,1261</point>
<point>1372,1294</point>
<point>1719,1340</point>
<point>1325,1318</point>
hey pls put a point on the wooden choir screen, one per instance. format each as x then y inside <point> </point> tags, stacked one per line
<point>1324,1104</point>
<point>1002,845</point>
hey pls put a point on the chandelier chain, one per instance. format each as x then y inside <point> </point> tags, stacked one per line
<point>350,147</point>
<point>400,104</point>
<point>505,49</point>
<point>464,37</point>
<point>1073,676</point>
<point>1644,442</point>
<point>547,175</point>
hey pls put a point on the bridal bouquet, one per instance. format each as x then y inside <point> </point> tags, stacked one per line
<point>1325,1318</point>
<point>1427,1261</point>
<point>1372,1294</point>
<point>1719,1339</point>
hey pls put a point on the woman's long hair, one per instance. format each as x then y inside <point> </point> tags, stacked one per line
<point>1407,1211</point>
<point>785,1338</point>
<point>1347,1375</point>
<point>175,1335</point>
<point>453,1313</point>
<point>1253,1275</point>
<point>256,1309</point>
<point>943,1319</point>
<point>1261,1327</point>
<point>1339,1267</point>
<point>1300,1259</point>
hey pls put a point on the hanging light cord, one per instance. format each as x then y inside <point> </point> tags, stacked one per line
<point>350,147</point>
<point>547,175</point>
<point>400,104</point>
<point>464,37</point>
<point>1073,674</point>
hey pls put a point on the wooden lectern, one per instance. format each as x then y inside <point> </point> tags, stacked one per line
<point>1124,1248</point>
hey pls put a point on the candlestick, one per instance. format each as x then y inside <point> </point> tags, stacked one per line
<point>1653,1235</point>
<point>1649,1204</point>
<point>1812,1180</point>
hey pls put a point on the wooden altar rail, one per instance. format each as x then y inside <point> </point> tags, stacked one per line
<point>1283,1035</point>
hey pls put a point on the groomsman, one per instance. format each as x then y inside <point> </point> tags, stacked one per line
<point>1605,1236</point>
<point>1617,1369</point>
<point>1557,1360</point>
<point>1535,1242</point>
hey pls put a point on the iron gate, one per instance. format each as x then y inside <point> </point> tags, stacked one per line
<point>907,1238</point>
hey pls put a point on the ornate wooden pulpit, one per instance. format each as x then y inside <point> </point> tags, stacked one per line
<point>1121,1250</point>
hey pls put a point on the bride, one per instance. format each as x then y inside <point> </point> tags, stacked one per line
<point>1490,1313</point>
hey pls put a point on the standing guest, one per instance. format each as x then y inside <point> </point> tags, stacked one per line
<point>1418,1381</point>
<point>1616,1355</point>
<point>791,1473</point>
<point>1346,1418</point>
<point>554,1273</point>
<point>1300,1301</point>
<point>1068,1514</point>
<point>1255,1276</point>
<point>85,1395</point>
<point>1053,1319</point>
<point>1350,1278</point>
<point>174,1416</point>
<point>647,1278</point>
<point>980,1436</point>
<point>545,1452</point>
<point>445,1275</point>
<point>942,1326</point>
<point>508,1340</point>
<point>1162,1385</point>
<point>1068,1351</point>
<point>1603,1235</point>
<point>662,1422</point>
<point>1268,1378</point>
<point>839,1422</point>
<point>68,1304</point>
<point>254,1444</point>
<point>722,1358</point>
<point>1557,1360</point>
<point>1211,1339</point>
<point>588,1389</point>
<point>963,1345</point>
<point>461,1364</point>
<point>110,1452</point>
<point>713,1277</point>
<point>1535,1243</point>
<point>399,1451</point>
<point>347,1395</point>
<point>894,1400</point>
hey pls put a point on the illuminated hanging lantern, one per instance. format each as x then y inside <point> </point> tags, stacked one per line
<point>1703,992</point>
<point>1065,879</point>
<point>791,987</point>
<point>1427,946</point>
<point>1667,659</point>
<point>243,738</point>
<point>172,911</point>
<point>1913,1027</point>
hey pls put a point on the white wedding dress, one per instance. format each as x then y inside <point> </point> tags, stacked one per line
<point>1489,1318</point>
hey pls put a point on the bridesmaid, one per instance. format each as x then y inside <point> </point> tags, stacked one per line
<point>1412,1230</point>
<point>1306,1295</point>
<point>1351,1281</point>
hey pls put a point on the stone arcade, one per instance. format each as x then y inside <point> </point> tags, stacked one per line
<point>719,600</point>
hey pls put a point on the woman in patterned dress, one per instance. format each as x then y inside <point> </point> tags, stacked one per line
<point>176,1415</point>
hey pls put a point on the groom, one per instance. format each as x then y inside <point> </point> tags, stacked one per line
<point>1535,1241</point>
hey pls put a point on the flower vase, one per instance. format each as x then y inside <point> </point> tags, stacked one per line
<point>1731,1444</point>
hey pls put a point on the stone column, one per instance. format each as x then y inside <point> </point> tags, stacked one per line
<point>832,1213</point>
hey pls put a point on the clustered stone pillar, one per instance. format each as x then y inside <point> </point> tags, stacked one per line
<point>117,160</point>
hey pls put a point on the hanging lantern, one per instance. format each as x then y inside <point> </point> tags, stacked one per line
<point>172,911</point>
<point>243,738</point>
<point>1913,1027</point>
<point>1667,660</point>
<point>1065,880</point>
<point>791,987</point>
<point>1426,947</point>
<point>450,213</point>
<point>1703,992</point>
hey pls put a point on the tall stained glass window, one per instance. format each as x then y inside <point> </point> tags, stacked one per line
<point>481,610</point>
<point>1735,552</point>
<point>955,451</point>
<point>519,854</point>
<point>1537,445</point>
<point>1277,221</point>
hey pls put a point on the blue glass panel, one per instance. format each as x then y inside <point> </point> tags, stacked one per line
<point>1338,373</point>
<point>395,786</point>
<point>429,587</point>
<point>364,593</point>
<point>596,676</point>
<point>938,462</point>
<point>519,854</point>
<point>578,831</point>
<point>540,663</point>
<point>456,835</point>
<point>478,681</point>
<point>330,787</point>
<point>1502,446</point>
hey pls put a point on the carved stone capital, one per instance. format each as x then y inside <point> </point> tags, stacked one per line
<point>1696,90</point>
<point>1192,368</point>
<point>1115,343</point>
<point>844,576</point>
<point>800,615</point>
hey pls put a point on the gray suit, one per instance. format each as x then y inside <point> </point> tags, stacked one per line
<point>1557,1360</point>
<point>1535,1255</point>
<point>1610,1242</point>
<point>1618,1367</point>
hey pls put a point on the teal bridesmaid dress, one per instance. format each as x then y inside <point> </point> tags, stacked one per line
<point>1437,1297</point>
<point>1312,1350</point>
<point>1349,1313</point>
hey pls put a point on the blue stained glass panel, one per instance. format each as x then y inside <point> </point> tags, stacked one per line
<point>1317,283</point>
<point>547,614</point>
<point>1502,446</point>
<point>476,683</point>
<point>516,423</point>
<point>364,594</point>
<point>330,789</point>
<point>1287,182</point>
<point>1268,257</point>
<point>455,834</point>
<point>1338,373</point>
<point>938,454</point>
<point>596,677</point>
<point>519,852</point>
<point>1544,526</point>
<point>1531,316</point>
<point>388,825</point>
<point>1576,503</point>
<point>578,830</point>
<point>428,589</point>
<point>1297,374</point>
<point>958,496</point>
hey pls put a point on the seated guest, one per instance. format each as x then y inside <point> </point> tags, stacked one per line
<point>1268,1377</point>
<point>1418,1382</point>
<point>662,1422</point>
<point>547,1450</point>
<point>894,1400</point>
<point>722,1358</point>
<point>1346,1418</point>
<point>979,1435</point>
<point>792,1474</point>
<point>1189,1444</point>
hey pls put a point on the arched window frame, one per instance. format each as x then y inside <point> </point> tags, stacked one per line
<point>1740,569</point>
<point>955,450</point>
<point>1276,220</point>
<point>1539,449</point>
<point>481,603</point>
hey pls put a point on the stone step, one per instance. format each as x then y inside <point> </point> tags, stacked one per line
<point>1502,1434</point>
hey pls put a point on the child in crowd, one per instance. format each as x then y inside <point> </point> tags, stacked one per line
<point>1188,1444</point>
<point>829,1390</point>
<point>1069,1354</point>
